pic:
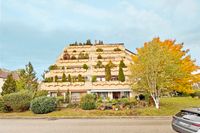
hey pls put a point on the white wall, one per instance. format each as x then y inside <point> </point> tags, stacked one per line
<point>1,83</point>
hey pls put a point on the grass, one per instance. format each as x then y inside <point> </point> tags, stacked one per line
<point>169,106</point>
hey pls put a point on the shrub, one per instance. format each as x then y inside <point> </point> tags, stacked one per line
<point>99,50</point>
<point>124,101</point>
<point>99,57</point>
<point>40,93</point>
<point>73,57</point>
<point>43,105</point>
<point>3,107</point>
<point>53,67</point>
<point>85,66</point>
<point>195,94</point>
<point>49,79</point>
<point>117,49</point>
<point>19,101</point>
<point>99,65</point>
<point>88,102</point>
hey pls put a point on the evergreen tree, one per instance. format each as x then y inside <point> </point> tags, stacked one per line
<point>121,64</point>
<point>9,86</point>
<point>64,78</point>
<point>80,79</point>
<point>56,78</point>
<point>88,42</point>
<point>69,78</point>
<point>107,73</point>
<point>121,76</point>
<point>27,79</point>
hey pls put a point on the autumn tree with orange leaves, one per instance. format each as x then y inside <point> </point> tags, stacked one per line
<point>161,66</point>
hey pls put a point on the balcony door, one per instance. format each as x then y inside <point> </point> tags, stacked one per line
<point>116,95</point>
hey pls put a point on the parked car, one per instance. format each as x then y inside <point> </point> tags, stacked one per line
<point>187,121</point>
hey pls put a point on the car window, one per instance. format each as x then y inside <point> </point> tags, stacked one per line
<point>189,116</point>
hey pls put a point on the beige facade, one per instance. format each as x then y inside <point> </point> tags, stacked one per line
<point>71,63</point>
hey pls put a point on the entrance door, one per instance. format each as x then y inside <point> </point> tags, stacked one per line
<point>116,95</point>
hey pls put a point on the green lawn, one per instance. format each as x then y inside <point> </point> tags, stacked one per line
<point>169,106</point>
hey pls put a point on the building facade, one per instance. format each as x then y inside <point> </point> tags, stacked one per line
<point>90,69</point>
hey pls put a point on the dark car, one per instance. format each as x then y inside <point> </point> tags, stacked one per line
<point>187,121</point>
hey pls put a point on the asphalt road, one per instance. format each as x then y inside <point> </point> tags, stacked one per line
<point>85,126</point>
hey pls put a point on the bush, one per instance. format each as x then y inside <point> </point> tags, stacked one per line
<point>19,101</point>
<point>43,105</point>
<point>85,66</point>
<point>117,49</point>
<point>99,50</point>
<point>94,78</point>
<point>195,94</point>
<point>3,107</point>
<point>99,57</point>
<point>88,102</point>
<point>40,93</point>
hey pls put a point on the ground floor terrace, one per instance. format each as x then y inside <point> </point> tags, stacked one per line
<point>75,95</point>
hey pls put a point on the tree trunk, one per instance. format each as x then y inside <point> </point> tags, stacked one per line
<point>156,101</point>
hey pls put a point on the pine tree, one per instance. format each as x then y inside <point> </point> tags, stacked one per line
<point>64,78</point>
<point>121,76</point>
<point>9,86</point>
<point>121,64</point>
<point>56,78</point>
<point>107,73</point>
<point>80,79</point>
<point>69,78</point>
<point>27,79</point>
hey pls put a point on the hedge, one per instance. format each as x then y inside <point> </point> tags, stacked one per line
<point>43,105</point>
<point>19,101</point>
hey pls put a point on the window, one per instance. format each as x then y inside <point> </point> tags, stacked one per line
<point>103,95</point>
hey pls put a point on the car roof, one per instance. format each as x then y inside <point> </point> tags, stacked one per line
<point>192,110</point>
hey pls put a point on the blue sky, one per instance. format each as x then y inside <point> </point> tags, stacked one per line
<point>38,30</point>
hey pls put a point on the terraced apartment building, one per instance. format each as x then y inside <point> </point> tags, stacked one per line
<point>90,68</point>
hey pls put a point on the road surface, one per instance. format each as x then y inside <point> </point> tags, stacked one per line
<point>85,126</point>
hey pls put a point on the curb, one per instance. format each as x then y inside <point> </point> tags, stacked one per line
<point>90,117</point>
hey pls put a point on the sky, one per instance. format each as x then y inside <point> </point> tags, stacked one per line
<point>38,30</point>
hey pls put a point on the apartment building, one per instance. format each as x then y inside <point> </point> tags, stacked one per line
<point>90,68</point>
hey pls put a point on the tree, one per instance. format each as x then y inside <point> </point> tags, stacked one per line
<point>121,76</point>
<point>56,78</point>
<point>121,64</point>
<point>107,73</point>
<point>64,78</point>
<point>88,42</point>
<point>27,79</point>
<point>9,85</point>
<point>69,78</point>
<point>80,78</point>
<point>94,78</point>
<point>162,66</point>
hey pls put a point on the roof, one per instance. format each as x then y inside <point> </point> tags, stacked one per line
<point>4,74</point>
<point>130,51</point>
